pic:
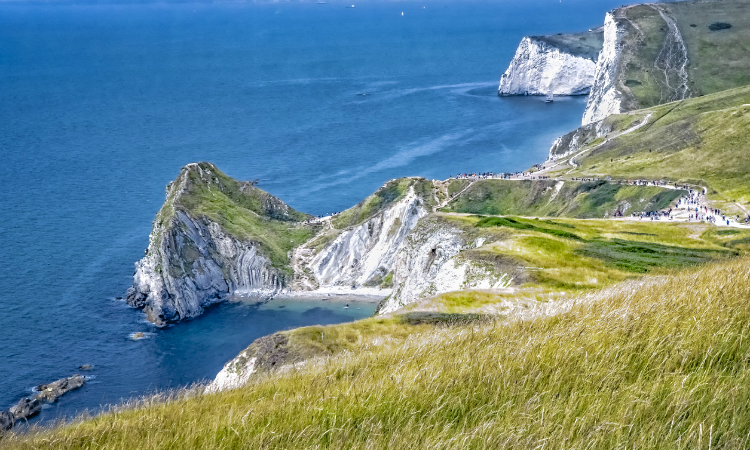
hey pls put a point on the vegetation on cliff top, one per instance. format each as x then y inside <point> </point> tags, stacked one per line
<point>653,364</point>
<point>702,141</point>
<point>587,44</point>
<point>387,195</point>
<point>243,210</point>
<point>716,60</point>
<point>549,198</point>
<point>576,255</point>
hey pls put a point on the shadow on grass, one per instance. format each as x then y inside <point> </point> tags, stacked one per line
<point>641,257</point>
<point>434,318</point>
<point>630,256</point>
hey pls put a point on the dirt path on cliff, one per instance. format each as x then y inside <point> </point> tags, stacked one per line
<point>571,159</point>
<point>450,199</point>
<point>672,59</point>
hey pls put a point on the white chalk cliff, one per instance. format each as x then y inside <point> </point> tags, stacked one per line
<point>605,97</point>
<point>368,250</point>
<point>541,68</point>
<point>570,143</point>
<point>193,262</point>
<point>234,374</point>
<point>430,263</point>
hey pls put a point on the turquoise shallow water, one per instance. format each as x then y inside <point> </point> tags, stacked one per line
<point>101,104</point>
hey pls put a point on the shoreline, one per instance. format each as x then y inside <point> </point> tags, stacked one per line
<point>362,294</point>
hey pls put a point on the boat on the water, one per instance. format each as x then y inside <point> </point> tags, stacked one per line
<point>549,98</point>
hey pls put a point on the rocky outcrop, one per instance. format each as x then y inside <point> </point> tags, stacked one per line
<point>51,392</point>
<point>235,373</point>
<point>27,408</point>
<point>193,261</point>
<point>264,354</point>
<point>605,97</point>
<point>570,143</point>
<point>6,421</point>
<point>559,65</point>
<point>431,263</point>
<point>365,254</point>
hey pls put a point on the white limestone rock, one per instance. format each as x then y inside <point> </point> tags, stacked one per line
<point>430,263</point>
<point>192,263</point>
<point>559,65</point>
<point>605,97</point>
<point>368,250</point>
<point>235,373</point>
<point>570,143</point>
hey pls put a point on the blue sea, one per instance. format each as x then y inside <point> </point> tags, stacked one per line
<point>101,104</point>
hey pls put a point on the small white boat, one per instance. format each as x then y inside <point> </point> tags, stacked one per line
<point>550,98</point>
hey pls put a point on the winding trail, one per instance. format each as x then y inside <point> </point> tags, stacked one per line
<point>673,59</point>
<point>450,199</point>
<point>571,159</point>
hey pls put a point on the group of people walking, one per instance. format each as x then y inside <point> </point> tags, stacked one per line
<point>697,210</point>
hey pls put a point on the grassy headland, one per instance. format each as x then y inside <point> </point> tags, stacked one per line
<point>550,198</point>
<point>702,141</point>
<point>716,60</point>
<point>244,211</point>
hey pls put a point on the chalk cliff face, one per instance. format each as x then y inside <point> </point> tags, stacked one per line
<point>193,261</point>
<point>575,140</point>
<point>367,252</point>
<point>235,373</point>
<point>431,263</point>
<point>605,97</point>
<point>196,263</point>
<point>539,69</point>
<point>552,65</point>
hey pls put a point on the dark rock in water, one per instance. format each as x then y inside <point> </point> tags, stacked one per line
<point>51,392</point>
<point>86,367</point>
<point>6,421</point>
<point>28,407</point>
<point>716,26</point>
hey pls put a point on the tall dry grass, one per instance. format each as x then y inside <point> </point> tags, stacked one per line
<point>658,364</point>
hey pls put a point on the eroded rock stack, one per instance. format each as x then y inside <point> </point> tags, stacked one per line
<point>29,407</point>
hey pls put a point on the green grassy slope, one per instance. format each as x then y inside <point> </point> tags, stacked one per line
<point>573,254</point>
<point>243,210</point>
<point>704,140</point>
<point>717,60</point>
<point>387,195</point>
<point>664,364</point>
<point>573,199</point>
<point>587,44</point>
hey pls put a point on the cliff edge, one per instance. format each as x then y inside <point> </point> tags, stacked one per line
<point>214,237</point>
<point>558,64</point>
